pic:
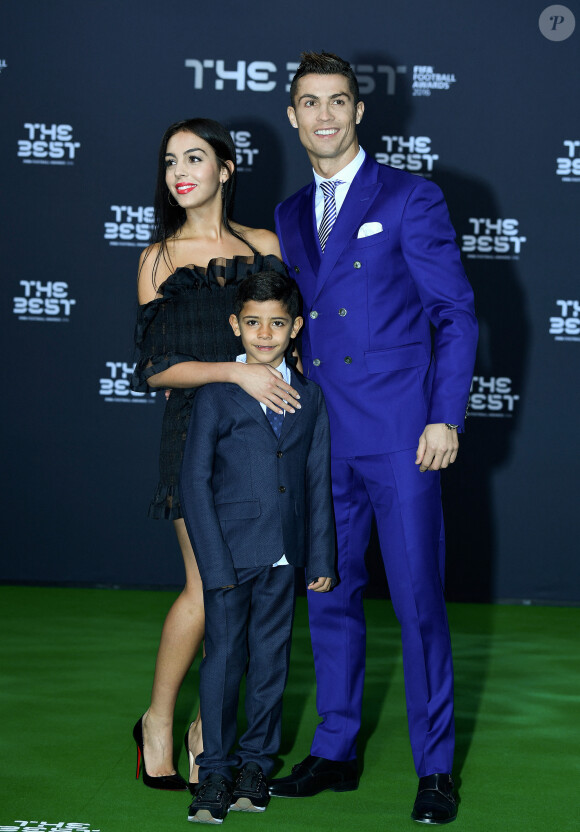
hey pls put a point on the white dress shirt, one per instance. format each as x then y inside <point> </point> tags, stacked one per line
<point>346,175</point>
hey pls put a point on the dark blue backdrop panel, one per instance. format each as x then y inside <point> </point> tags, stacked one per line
<point>480,98</point>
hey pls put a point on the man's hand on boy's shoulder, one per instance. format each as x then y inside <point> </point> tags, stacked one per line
<point>320,585</point>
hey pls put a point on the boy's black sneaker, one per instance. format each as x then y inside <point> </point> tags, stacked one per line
<point>212,800</point>
<point>251,790</point>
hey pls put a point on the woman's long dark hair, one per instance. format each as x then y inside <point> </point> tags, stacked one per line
<point>168,217</point>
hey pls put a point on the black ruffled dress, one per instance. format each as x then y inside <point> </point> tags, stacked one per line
<point>189,322</point>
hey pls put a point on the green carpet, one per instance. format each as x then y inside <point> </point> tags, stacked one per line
<point>77,667</point>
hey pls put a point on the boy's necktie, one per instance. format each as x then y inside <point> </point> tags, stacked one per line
<point>276,420</point>
<point>329,213</point>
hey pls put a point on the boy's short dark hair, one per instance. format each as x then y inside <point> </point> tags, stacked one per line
<point>269,285</point>
<point>324,63</point>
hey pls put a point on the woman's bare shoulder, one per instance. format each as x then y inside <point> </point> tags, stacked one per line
<point>264,241</point>
<point>151,273</point>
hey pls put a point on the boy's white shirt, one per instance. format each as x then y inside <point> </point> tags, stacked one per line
<point>285,370</point>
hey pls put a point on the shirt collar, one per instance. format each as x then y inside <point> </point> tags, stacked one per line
<point>347,174</point>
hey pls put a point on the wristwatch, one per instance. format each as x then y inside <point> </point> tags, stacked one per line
<point>451,427</point>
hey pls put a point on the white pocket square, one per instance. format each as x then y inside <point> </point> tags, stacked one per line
<point>369,228</point>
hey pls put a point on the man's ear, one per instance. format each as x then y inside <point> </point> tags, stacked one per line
<point>292,116</point>
<point>359,110</point>
<point>297,326</point>
<point>235,325</point>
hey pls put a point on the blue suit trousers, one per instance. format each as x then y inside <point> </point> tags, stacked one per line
<point>407,508</point>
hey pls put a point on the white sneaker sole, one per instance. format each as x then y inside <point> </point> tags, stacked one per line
<point>204,816</point>
<point>244,804</point>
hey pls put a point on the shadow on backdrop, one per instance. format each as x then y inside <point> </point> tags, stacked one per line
<point>260,178</point>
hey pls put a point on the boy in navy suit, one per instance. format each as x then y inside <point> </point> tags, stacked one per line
<point>257,501</point>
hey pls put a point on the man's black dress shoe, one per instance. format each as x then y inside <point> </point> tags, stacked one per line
<point>314,775</point>
<point>435,801</point>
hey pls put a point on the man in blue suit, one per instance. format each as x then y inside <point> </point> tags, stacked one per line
<point>390,337</point>
<point>257,501</point>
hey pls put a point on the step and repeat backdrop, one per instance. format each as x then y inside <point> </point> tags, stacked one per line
<point>482,98</point>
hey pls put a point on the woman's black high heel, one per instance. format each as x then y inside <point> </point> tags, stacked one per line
<point>168,782</point>
<point>191,760</point>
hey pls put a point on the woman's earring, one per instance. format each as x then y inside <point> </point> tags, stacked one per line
<point>173,204</point>
<point>223,189</point>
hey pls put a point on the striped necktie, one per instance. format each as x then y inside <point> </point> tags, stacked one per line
<point>329,213</point>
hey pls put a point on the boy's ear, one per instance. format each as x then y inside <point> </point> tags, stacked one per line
<point>234,325</point>
<point>297,326</point>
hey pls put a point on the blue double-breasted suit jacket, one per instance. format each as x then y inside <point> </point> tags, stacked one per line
<point>371,305</point>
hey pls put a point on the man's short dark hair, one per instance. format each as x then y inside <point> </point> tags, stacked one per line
<point>269,285</point>
<point>324,63</point>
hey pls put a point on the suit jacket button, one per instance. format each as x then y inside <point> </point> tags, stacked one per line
<point>314,314</point>
<point>282,489</point>
<point>348,360</point>
<point>279,454</point>
<point>316,362</point>
<point>342,312</point>
<point>357,264</point>
<point>297,269</point>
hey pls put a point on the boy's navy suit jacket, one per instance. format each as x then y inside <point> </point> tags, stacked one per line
<point>248,496</point>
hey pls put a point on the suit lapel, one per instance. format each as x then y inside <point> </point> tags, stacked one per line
<point>308,227</point>
<point>252,407</point>
<point>292,420</point>
<point>362,193</point>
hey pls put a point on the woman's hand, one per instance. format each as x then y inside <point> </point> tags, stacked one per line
<point>266,385</point>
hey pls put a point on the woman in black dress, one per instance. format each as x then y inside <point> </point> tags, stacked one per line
<point>187,280</point>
